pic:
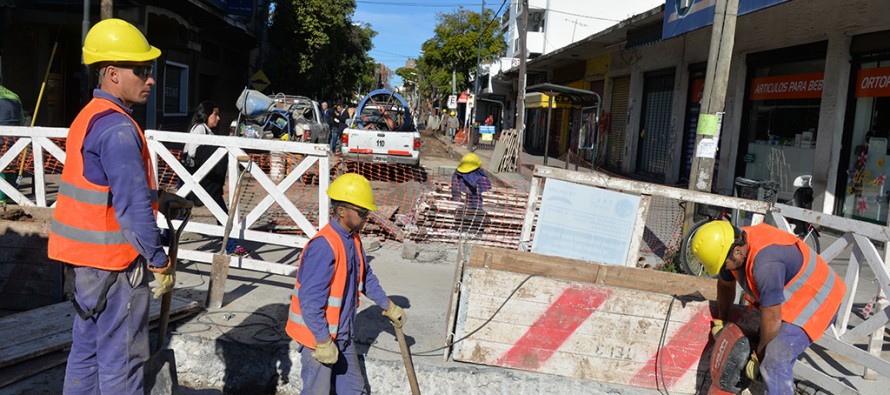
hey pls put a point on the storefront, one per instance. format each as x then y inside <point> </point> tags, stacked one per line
<point>861,178</point>
<point>781,114</point>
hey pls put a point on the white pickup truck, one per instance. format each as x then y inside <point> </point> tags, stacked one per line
<point>382,131</point>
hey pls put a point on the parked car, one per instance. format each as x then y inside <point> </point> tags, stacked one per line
<point>298,117</point>
<point>382,130</point>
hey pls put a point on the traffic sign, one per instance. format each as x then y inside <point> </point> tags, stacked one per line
<point>259,80</point>
<point>452,102</point>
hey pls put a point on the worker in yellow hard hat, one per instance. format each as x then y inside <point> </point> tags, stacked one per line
<point>797,293</point>
<point>469,179</point>
<point>105,222</point>
<point>331,273</point>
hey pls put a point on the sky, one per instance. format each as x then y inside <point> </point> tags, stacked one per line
<point>403,25</point>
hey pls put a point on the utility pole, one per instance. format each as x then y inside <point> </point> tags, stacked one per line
<point>520,98</point>
<point>714,98</point>
<point>478,59</point>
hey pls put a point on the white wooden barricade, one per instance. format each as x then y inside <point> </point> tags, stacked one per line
<point>38,140</point>
<point>859,237</point>
<point>645,190</point>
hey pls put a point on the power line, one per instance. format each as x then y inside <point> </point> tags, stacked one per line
<point>390,53</point>
<point>427,5</point>
<point>584,16</point>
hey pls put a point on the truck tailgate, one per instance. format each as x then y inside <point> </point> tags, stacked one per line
<point>378,142</point>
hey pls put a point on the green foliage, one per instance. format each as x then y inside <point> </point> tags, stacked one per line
<point>454,47</point>
<point>671,261</point>
<point>316,50</point>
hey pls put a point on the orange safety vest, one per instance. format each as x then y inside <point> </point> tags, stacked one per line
<point>813,296</point>
<point>84,231</point>
<point>296,328</point>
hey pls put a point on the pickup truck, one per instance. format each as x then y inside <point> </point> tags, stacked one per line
<point>382,130</point>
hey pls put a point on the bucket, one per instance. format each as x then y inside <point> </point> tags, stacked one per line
<point>253,103</point>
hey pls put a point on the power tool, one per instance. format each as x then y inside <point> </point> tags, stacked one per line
<point>728,359</point>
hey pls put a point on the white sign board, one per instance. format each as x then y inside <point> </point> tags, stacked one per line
<point>583,222</point>
<point>452,102</point>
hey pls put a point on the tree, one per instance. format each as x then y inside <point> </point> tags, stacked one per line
<point>316,50</point>
<point>453,49</point>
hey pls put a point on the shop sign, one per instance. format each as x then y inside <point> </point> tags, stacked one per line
<point>794,86</point>
<point>464,96</point>
<point>682,16</point>
<point>873,82</point>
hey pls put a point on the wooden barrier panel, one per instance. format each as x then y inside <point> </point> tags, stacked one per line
<point>587,321</point>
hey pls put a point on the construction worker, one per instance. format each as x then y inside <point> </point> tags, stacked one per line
<point>333,270</point>
<point>11,114</point>
<point>796,292</point>
<point>470,179</point>
<point>104,224</point>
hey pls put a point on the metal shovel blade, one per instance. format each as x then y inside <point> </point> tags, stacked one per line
<point>160,374</point>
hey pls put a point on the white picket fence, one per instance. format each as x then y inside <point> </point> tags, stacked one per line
<point>38,139</point>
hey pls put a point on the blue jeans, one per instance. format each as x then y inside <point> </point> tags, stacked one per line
<point>108,352</point>
<point>781,353</point>
<point>335,140</point>
<point>344,377</point>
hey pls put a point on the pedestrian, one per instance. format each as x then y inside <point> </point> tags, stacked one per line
<point>443,123</point>
<point>11,114</point>
<point>205,119</point>
<point>343,118</point>
<point>489,120</point>
<point>214,183</point>
<point>104,225</point>
<point>432,122</point>
<point>332,271</point>
<point>453,125</point>
<point>797,293</point>
<point>327,116</point>
<point>471,180</point>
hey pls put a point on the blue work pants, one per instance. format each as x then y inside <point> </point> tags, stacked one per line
<point>335,140</point>
<point>108,352</point>
<point>344,377</point>
<point>781,353</point>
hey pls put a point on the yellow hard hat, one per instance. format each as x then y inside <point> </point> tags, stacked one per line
<point>452,113</point>
<point>116,40</point>
<point>711,244</point>
<point>469,163</point>
<point>353,188</point>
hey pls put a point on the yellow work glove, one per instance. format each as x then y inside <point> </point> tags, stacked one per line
<point>165,278</point>
<point>326,352</point>
<point>395,314</point>
<point>716,327</point>
<point>752,369</point>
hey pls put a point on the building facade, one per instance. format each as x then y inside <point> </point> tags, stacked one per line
<point>209,50</point>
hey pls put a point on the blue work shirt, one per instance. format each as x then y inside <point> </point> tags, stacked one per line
<point>472,184</point>
<point>315,275</point>
<point>774,267</point>
<point>112,157</point>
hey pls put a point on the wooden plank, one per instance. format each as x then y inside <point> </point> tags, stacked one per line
<point>451,315</point>
<point>826,382</point>
<point>531,208</point>
<point>875,232</point>
<point>381,218</point>
<point>636,237</point>
<point>36,337</point>
<point>14,373</point>
<point>617,343</point>
<point>577,270</point>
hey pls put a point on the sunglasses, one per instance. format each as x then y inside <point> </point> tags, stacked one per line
<point>362,212</point>
<point>143,72</point>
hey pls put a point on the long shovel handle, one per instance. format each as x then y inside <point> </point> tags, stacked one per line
<point>406,356</point>
<point>167,298</point>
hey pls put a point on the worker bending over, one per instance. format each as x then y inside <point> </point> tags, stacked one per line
<point>796,292</point>
<point>333,269</point>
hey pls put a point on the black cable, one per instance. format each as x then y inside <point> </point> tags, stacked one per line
<point>429,353</point>
<point>659,362</point>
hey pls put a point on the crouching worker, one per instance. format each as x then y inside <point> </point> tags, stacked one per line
<point>332,271</point>
<point>470,179</point>
<point>797,293</point>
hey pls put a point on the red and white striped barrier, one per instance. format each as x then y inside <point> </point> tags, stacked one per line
<point>584,331</point>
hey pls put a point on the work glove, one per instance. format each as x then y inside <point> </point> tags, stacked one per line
<point>165,278</point>
<point>172,205</point>
<point>752,368</point>
<point>326,352</point>
<point>716,327</point>
<point>395,314</point>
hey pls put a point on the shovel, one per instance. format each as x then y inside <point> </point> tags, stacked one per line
<point>406,356</point>
<point>160,369</point>
<point>219,269</point>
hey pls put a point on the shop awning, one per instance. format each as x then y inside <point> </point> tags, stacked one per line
<point>576,96</point>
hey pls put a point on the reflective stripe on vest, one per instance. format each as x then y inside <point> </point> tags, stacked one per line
<point>296,327</point>
<point>813,296</point>
<point>84,230</point>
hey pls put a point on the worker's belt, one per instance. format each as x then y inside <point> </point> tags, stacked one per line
<point>100,303</point>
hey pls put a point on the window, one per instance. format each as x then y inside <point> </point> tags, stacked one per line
<point>176,78</point>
